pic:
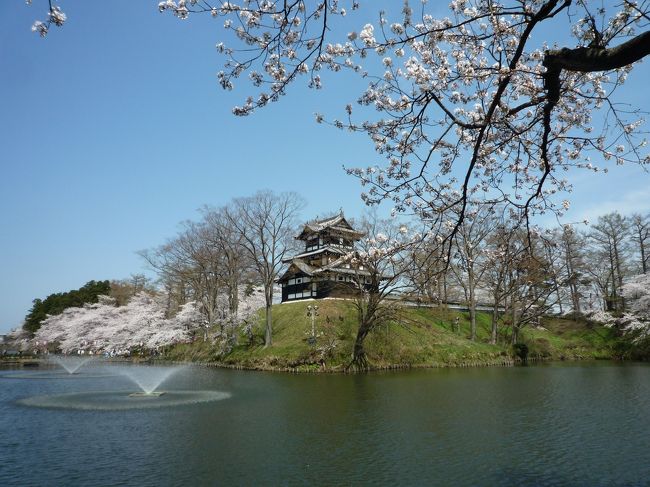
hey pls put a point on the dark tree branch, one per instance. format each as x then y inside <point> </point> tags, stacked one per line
<point>592,59</point>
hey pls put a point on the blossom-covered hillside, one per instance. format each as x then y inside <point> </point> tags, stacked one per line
<point>104,327</point>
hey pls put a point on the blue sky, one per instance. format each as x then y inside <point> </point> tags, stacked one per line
<point>113,130</point>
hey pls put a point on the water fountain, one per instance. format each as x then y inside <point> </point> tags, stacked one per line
<point>148,379</point>
<point>60,367</point>
<point>71,363</point>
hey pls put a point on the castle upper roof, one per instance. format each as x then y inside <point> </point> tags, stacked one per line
<point>337,224</point>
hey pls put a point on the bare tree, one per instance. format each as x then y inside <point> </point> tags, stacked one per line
<point>123,290</point>
<point>641,237</point>
<point>171,274</point>
<point>609,235</point>
<point>502,254</point>
<point>573,248</point>
<point>189,264</point>
<point>553,256</point>
<point>601,277</point>
<point>531,286</point>
<point>469,263</point>
<point>429,272</point>
<point>228,244</point>
<point>266,222</point>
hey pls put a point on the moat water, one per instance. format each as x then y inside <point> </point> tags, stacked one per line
<point>559,425</point>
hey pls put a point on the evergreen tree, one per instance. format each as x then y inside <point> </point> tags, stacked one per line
<point>55,303</point>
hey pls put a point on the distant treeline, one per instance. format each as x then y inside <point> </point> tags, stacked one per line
<point>55,303</point>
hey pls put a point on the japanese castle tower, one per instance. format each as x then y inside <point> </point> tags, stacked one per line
<point>321,271</point>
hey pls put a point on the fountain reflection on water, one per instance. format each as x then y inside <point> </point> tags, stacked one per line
<point>121,400</point>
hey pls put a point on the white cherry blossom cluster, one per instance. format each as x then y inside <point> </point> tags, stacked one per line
<point>637,293</point>
<point>54,16</point>
<point>459,106</point>
<point>104,327</point>
<point>636,320</point>
<point>458,101</point>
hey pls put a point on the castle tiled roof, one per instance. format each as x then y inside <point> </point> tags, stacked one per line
<point>334,250</point>
<point>337,223</point>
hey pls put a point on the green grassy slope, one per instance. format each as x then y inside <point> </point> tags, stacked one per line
<point>418,337</point>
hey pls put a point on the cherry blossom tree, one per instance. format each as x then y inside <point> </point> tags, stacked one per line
<point>379,269</point>
<point>19,339</point>
<point>105,327</point>
<point>468,107</point>
<point>241,322</point>
<point>637,293</point>
<point>635,321</point>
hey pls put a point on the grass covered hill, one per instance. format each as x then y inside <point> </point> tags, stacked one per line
<point>417,337</point>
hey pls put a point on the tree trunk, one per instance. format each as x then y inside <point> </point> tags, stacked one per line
<point>233,296</point>
<point>471,283</point>
<point>515,333</point>
<point>575,298</point>
<point>619,278</point>
<point>613,301</point>
<point>573,286</point>
<point>440,291</point>
<point>495,319</point>
<point>444,288</point>
<point>359,359</point>
<point>367,318</point>
<point>268,332</point>
<point>472,322</point>
<point>572,277</point>
<point>515,325</point>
